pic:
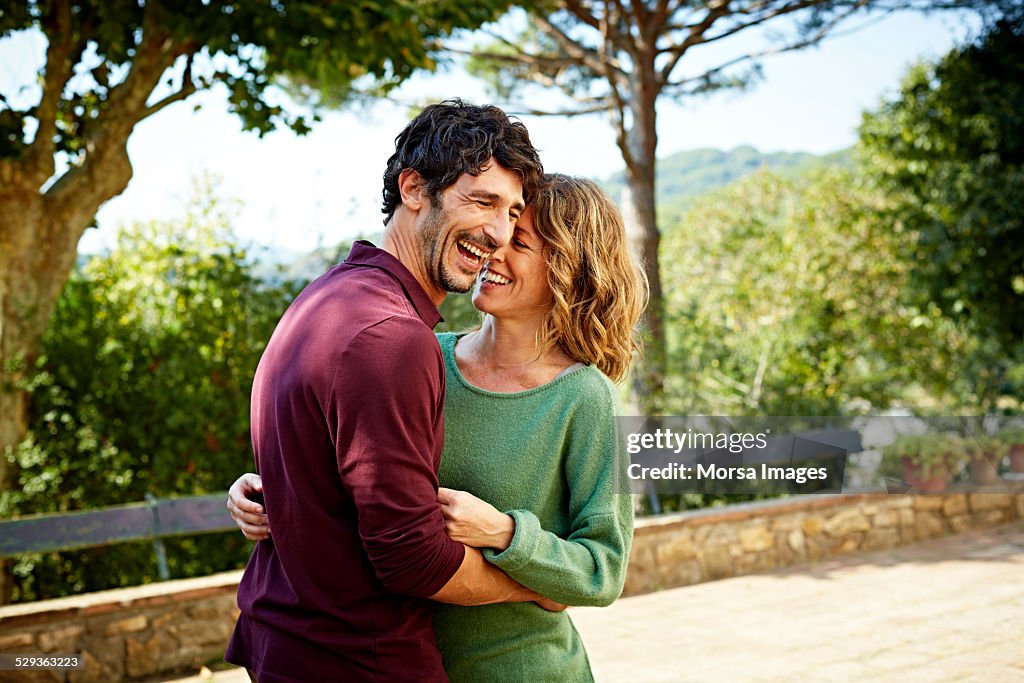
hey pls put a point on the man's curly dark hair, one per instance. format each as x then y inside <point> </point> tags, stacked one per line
<point>451,138</point>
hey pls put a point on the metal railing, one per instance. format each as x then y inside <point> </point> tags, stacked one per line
<point>152,520</point>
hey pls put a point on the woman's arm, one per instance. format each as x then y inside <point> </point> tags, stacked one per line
<point>588,567</point>
<point>472,586</point>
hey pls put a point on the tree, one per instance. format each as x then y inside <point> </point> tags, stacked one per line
<point>142,387</point>
<point>619,58</point>
<point>110,64</point>
<point>791,300</point>
<point>950,151</point>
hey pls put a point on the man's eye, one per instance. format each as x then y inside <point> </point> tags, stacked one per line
<point>483,203</point>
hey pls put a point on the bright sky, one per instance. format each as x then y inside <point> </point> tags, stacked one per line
<point>298,192</point>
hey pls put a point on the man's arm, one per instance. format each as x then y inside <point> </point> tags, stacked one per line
<point>478,582</point>
<point>384,416</point>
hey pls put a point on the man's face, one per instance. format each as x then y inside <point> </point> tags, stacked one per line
<point>470,219</point>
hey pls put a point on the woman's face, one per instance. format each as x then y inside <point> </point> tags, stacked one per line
<point>514,282</point>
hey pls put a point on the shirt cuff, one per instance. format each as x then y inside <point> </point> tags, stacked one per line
<point>524,542</point>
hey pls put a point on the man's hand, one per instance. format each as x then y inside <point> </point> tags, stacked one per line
<point>475,522</point>
<point>248,514</point>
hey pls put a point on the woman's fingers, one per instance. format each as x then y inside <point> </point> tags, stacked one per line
<point>242,517</point>
<point>245,509</point>
<point>247,514</point>
<point>254,533</point>
<point>246,484</point>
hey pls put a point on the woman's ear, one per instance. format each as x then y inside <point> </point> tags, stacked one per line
<point>412,187</point>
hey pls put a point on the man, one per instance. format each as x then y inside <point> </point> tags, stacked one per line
<point>347,422</point>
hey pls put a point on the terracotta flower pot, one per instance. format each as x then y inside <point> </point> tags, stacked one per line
<point>1017,458</point>
<point>912,474</point>
<point>983,471</point>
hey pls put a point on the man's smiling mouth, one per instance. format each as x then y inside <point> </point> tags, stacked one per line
<point>472,253</point>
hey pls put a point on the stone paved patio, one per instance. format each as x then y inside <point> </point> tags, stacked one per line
<point>944,610</point>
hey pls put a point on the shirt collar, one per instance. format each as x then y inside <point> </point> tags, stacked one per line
<point>364,253</point>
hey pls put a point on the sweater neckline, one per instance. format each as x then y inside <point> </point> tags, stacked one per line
<point>449,356</point>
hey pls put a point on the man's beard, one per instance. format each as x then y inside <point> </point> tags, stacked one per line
<point>434,252</point>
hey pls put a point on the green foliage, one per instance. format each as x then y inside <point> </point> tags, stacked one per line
<point>935,454</point>
<point>785,297</point>
<point>1011,436</point>
<point>459,314</point>
<point>989,449</point>
<point>143,386</point>
<point>325,53</point>
<point>950,150</point>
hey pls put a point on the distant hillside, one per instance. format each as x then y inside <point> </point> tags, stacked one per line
<point>694,172</point>
<point>681,176</point>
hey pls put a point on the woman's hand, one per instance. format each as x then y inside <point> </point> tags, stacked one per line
<point>248,514</point>
<point>474,522</point>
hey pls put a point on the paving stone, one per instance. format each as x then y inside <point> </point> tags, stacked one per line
<point>942,611</point>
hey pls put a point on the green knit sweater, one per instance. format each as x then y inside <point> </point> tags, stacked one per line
<point>547,456</point>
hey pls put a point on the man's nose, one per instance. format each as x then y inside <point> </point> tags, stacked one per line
<point>499,229</point>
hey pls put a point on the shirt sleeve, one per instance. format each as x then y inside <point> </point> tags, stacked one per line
<point>588,567</point>
<point>385,414</point>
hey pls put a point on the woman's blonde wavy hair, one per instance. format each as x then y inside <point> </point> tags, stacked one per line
<point>599,290</point>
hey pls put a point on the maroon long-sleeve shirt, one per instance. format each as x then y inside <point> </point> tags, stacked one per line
<point>347,428</point>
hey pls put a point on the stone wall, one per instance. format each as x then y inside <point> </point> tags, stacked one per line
<point>701,545</point>
<point>125,634</point>
<point>177,626</point>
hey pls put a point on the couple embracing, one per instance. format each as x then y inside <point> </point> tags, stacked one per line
<point>432,503</point>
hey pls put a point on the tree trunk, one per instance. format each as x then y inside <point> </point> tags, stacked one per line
<point>639,213</point>
<point>22,320</point>
<point>38,247</point>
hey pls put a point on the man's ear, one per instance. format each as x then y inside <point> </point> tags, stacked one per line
<point>413,189</point>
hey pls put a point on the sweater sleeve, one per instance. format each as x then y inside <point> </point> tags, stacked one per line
<point>588,567</point>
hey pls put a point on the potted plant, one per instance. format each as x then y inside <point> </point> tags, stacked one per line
<point>1013,438</point>
<point>984,453</point>
<point>927,461</point>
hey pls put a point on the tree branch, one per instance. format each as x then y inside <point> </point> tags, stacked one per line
<point>646,38</point>
<point>696,35</point>
<point>815,37</point>
<point>658,17</point>
<point>540,62</point>
<point>618,111</point>
<point>583,55</point>
<point>640,13</point>
<point>594,109</point>
<point>580,12</point>
<point>188,87</point>
<point>106,169</point>
<point>618,116</point>
<point>58,70</point>
<point>786,9</point>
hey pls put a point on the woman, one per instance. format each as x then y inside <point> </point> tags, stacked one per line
<point>529,428</point>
